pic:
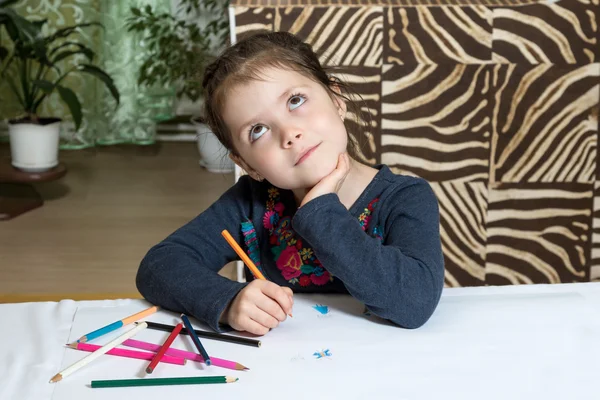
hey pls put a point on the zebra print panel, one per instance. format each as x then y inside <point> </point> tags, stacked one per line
<point>249,21</point>
<point>343,36</point>
<point>545,123</point>
<point>367,84</point>
<point>463,212</point>
<point>403,3</point>
<point>561,33</point>
<point>538,233</point>
<point>496,103</point>
<point>438,35</point>
<point>436,121</point>
<point>595,252</point>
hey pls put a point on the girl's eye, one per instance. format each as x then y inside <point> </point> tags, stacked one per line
<point>256,132</point>
<point>296,101</point>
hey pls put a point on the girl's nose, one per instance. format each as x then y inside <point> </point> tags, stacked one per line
<point>291,137</point>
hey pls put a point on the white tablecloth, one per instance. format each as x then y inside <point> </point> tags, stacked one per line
<point>514,342</point>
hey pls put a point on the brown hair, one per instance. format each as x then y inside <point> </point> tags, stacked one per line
<point>244,62</point>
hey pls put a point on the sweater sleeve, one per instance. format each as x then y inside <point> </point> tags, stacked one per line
<point>181,272</point>
<point>400,279</point>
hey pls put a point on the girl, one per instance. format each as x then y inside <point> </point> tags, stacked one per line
<point>312,218</point>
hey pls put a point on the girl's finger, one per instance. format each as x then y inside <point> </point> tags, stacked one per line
<point>251,326</point>
<point>272,308</point>
<point>263,318</point>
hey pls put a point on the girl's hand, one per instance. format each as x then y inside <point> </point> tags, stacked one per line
<point>258,307</point>
<point>332,182</point>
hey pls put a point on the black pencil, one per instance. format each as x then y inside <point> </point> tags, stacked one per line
<point>208,335</point>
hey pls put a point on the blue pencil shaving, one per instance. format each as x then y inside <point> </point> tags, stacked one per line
<point>322,354</point>
<point>321,308</point>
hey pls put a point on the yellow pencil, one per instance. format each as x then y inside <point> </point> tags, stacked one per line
<point>236,247</point>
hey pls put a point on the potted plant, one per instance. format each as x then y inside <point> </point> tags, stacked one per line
<point>34,68</point>
<point>178,52</point>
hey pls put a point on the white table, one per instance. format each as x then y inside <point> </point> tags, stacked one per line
<point>515,342</point>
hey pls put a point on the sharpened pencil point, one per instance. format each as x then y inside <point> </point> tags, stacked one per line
<point>241,367</point>
<point>149,370</point>
<point>72,345</point>
<point>56,378</point>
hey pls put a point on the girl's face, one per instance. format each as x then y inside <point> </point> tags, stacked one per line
<point>286,128</point>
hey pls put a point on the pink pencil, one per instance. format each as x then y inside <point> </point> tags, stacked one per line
<point>219,362</point>
<point>141,355</point>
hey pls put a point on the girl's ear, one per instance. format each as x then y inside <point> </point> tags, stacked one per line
<point>242,164</point>
<point>339,100</point>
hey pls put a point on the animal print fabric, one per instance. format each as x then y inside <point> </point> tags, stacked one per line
<point>494,102</point>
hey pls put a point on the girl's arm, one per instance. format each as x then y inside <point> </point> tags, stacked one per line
<point>400,279</point>
<point>181,272</point>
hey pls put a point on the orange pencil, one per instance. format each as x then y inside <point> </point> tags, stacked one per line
<point>164,348</point>
<point>236,247</point>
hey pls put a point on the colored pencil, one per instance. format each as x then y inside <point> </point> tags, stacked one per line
<point>102,350</point>
<point>192,380</point>
<point>207,335</point>
<point>236,247</point>
<point>117,324</point>
<point>140,355</point>
<point>161,351</point>
<point>188,355</point>
<point>195,339</point>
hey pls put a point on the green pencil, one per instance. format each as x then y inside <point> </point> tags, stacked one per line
<point>192,380</point>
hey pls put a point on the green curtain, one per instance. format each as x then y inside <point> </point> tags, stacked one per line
<point>120,55</point>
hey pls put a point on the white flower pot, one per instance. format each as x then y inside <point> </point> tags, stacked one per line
<point>33,147</point>
<point>213,155</point>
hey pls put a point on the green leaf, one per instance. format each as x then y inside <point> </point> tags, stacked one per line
<point>104,77</point>
<point>61,56</point>
<point>307,269</point>
<point>64,32</point>
<point>136,11</point>
<point>46,86</point>
<point>3,53</point>
<point>77,44</point>
<point>18,27</point>
<point>70,98</point>
<point>6,3</point>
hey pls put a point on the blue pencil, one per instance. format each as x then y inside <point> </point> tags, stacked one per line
<point>117,324</point>
<point>195,339</point>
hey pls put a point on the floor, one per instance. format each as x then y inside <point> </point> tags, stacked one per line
<point>115,202</point>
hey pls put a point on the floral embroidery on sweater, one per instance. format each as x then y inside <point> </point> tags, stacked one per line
<point>298,264</point>
<point>251,243</point>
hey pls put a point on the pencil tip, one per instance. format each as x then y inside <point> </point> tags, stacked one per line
<point>149,370</point>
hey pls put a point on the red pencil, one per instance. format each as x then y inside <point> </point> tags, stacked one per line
<point>164,348</point>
